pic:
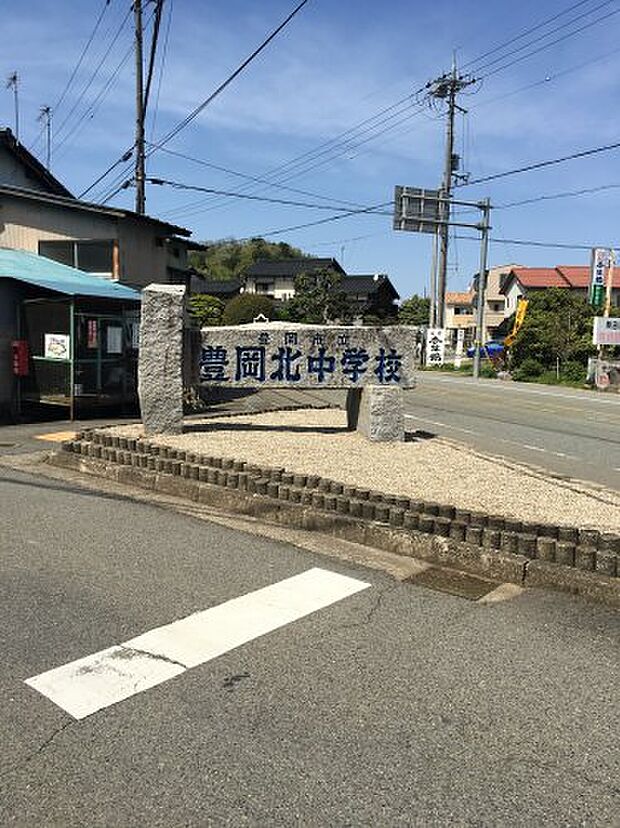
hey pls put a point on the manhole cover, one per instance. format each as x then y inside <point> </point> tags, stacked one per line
<point>461,584</point>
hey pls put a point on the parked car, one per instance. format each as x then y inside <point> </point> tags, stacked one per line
<point>490,349</point>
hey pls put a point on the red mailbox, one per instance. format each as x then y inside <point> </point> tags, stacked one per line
<point>20,357</point>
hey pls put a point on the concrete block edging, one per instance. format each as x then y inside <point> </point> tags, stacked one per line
<point>581,561</point>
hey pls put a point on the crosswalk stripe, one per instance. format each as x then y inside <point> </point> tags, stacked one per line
<point>97,681</point>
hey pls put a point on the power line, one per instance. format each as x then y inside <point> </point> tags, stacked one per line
<point>559,28</point>
<point>91,80</point>
<point>256,179</point>
<point>551,43</point>
<point>535,243</point>
<point>540,164</point>
<point>198,109</point>
<point>197,188</point>
<point>162,67</point>
<point>369,210</point>
<point>527,32</point>
<point>76,68</point>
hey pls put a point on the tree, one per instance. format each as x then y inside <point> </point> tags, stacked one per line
<point>319,298</point>
<point>228,259</point>
<point>557,326</point>
<point>245,308</point>
<point>414,311</point>
<point>206,310</point>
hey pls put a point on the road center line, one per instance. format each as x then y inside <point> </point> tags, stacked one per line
<point>97,681</point>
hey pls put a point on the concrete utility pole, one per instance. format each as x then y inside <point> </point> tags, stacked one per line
<point>482,283</point>
<point>13,83</point>
<point>45,114</point>
<point>139,168</point>
<point>446,88</point>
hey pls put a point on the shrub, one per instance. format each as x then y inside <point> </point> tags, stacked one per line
<point>530,369</point>
<point>246,307</point>
<point>205,309</point>
<point>573,372</point>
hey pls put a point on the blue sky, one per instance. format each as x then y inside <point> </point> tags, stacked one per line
<point>338,63</point>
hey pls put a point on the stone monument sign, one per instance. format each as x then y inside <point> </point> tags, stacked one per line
<point>372,364</point>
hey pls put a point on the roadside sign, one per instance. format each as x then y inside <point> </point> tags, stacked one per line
<point>416,210</point>
<point>606,330</point>
<point>435,346</point>
<point>601,260</point>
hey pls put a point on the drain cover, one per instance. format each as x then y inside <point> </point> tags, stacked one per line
<point>461,584</point>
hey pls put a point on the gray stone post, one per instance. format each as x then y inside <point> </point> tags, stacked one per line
<point>382,413</point>
<point>160,370</point>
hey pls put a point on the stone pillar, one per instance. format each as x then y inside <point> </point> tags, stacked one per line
<point>381,413</point>
<point>160,369</point>
<point>354,395</point>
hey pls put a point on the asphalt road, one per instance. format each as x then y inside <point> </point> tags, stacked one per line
<point>569,432</point>
<point>393,706</point>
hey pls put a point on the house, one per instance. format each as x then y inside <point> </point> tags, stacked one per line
<point>68,263</point>
<point>523,281</point>
<point>460,315</point>
<point>496,308</point>
<point>373,295</point>
<point>67,338</point>
<point>367,294</point>
<point>276,278</point>
<point>38,214</point>
<point>223,289</point>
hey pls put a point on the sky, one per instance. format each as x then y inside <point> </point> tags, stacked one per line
<point>304,118</point>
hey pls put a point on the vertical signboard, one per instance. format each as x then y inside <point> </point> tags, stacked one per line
<point>435,346</point>
<point>600,263</point>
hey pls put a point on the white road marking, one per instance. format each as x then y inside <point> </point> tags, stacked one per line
<point>443,425</point>
<point>500,387</point>
<point>499,439</point>
<point>89,684</point>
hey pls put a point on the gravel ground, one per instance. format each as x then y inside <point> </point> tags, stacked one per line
<point>317,442</point>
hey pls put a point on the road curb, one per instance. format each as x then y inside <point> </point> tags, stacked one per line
<point>578,561</point>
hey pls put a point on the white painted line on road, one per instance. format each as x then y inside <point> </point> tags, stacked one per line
<point>443,425</point>
<point>507,387</point>
<point>533,448</point>
<point>89,684</point>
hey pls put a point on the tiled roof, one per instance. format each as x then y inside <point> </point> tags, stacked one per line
<point>563,276</point>
<point>291,267</point>
<point>367,284</point>
<point>539,277</point>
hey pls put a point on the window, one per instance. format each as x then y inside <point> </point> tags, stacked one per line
<point>496,307</point>
<point>264,287</point>
<point>92,256</point>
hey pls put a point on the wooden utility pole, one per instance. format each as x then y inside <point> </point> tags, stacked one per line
<point>139,168</point>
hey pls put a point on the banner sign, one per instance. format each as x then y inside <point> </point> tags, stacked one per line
<point>279,354</point>
<point>606,330</point>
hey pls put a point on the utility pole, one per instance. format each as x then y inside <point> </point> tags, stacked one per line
<point>45,115</point>
<point>139,168</point>
<point>485,206</point>
<point>446,88</point>
<point>13,83</point>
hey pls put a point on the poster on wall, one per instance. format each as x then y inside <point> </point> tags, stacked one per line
<point>114,341</point>
<point>92,339</point>
<point>57,346</point>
